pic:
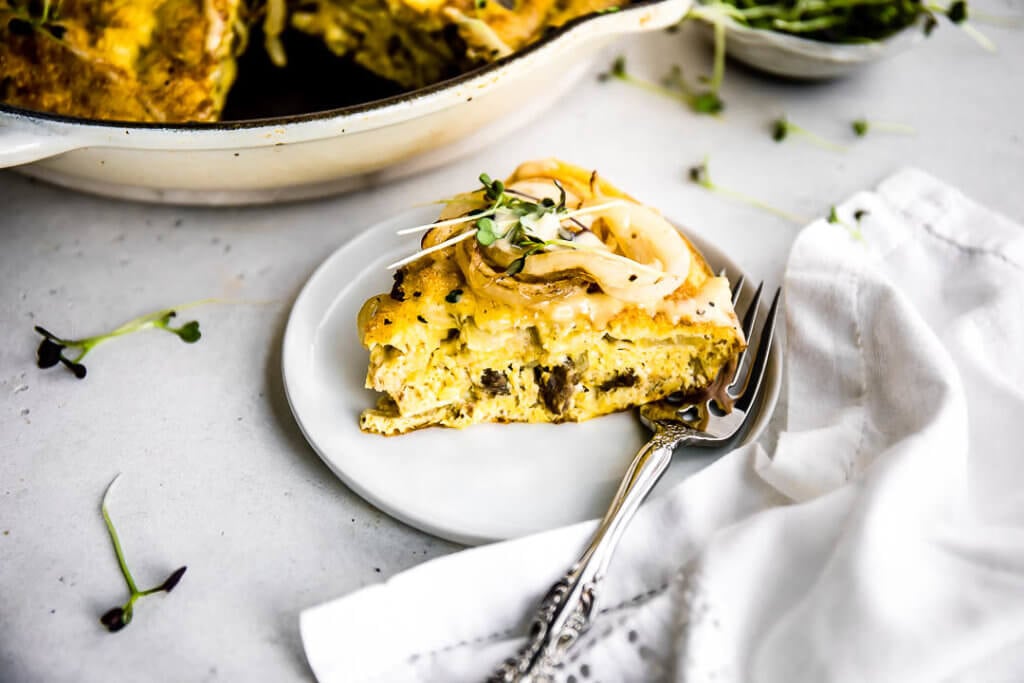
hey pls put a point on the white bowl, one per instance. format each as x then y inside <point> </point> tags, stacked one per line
<point>312,155</point>
<point>790,56</point>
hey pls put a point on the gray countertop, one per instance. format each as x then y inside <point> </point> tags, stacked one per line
<point>217,476</point>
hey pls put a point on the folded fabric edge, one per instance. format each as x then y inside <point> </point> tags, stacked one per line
<point>946,213</point>
<point>379,632</point>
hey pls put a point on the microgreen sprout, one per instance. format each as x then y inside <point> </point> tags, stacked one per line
<point>510,216</point>
<point>26,16</point>
<point>855,233</point>
<point>673,86</point>
<point>51,348</point>
<point>117,618</point>
<point>700,174</point>
<point>782,127</point>
<point>862,126</point>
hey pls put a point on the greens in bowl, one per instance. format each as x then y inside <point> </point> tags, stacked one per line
<point>821,38</point>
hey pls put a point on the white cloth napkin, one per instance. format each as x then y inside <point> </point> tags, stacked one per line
<point>882,541</point>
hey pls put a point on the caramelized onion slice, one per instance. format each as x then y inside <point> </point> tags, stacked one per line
<point>484,279</point>
<point>644,259</point>
<point>653,262</point>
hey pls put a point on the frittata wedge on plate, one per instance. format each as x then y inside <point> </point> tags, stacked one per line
<point>551,297</point>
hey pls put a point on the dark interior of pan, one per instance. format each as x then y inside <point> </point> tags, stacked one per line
<point>314,80</point>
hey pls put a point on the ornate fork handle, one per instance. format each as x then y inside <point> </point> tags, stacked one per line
<point>564,613</point>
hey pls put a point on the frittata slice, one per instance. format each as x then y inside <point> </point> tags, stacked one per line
<point>127,60</point>
<point>587,304</point>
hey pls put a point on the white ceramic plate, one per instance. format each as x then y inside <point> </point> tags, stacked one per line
<point>476,485</point>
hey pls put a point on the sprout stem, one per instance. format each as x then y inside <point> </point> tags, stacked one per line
<point>980,38</point>
<point>116,541</point>
<point>468,218</point>
<point>816,139</point>
<point>862,127</point>
<point>701,175</point>
<point>718,70</point>
<point>437,247</point>
<point>652,87</point>
<point>757,203</point>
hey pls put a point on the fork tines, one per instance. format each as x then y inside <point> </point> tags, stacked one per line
<point>752,361</point>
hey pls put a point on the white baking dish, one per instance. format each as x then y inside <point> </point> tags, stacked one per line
<point>296,157</point>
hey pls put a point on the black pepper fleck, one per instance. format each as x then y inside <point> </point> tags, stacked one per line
<point>421,319</point>
<point>397,293</point>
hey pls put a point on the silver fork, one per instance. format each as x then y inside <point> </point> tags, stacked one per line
<point>565,612</point>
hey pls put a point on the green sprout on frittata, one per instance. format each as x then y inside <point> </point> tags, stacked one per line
<point>511,216</point>
<point>25,17</point>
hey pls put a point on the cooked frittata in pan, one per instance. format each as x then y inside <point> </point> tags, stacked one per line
<point>550,297</point>
<point>129,60</point>
<point>174,60</point>
<point>418,42</point>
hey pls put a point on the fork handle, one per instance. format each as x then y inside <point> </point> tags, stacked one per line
<point>564,613</point>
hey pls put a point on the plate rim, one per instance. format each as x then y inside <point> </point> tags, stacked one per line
<point>768,402</point>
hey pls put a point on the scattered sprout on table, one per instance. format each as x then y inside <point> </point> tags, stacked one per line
<point>673,86</point>
<point>117,618</point>
<point>51,350</point>
<point>782,128</point>
<point>701,175</point>
<point>862,127</point>
<point>854,230</point>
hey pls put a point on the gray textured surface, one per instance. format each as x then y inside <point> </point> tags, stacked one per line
<point>216,474</point>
